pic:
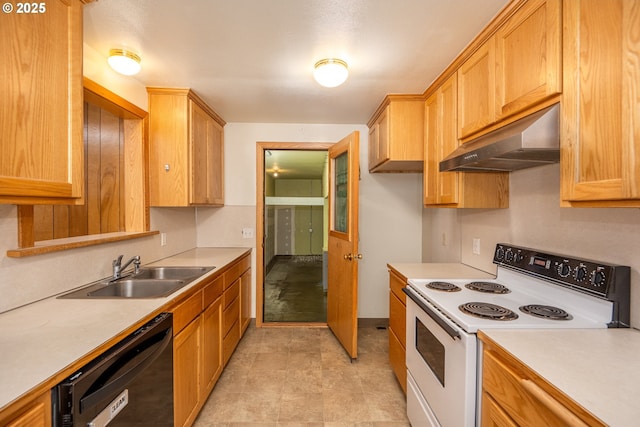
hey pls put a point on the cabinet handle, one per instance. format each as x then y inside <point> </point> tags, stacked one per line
<point>552,404</point>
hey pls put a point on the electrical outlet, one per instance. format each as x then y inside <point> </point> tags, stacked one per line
<point>247,233</point>
<point>476,246</point>
<point>163,239</point>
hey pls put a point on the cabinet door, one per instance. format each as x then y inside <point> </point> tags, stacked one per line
<point>374,135</point>
<point>448,181</point>
<point>41,146</point>
<point>528,62</point>
<point>211,345</point>
<point>206,158</point>
<point>600,135</point>
<point>245,298</point>
<point>381,151</point>
<point>34,414</point>
<point>186,373</point>
<point>493,415</point>
<point>441,139</point>
<point>431,142</point>
<point>476,91</point>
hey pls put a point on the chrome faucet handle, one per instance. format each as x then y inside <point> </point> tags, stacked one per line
<point>118,261</point>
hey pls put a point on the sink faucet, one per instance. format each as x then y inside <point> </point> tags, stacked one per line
<point>118,268</point>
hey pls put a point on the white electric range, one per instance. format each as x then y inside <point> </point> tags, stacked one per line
<point>532,289</point>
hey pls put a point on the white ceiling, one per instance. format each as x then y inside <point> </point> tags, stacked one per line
<point>295,164</point>
<point>252,60</point>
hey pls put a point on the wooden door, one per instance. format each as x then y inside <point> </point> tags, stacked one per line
<point>342,292</point>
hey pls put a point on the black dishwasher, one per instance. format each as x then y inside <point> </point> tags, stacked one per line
<point>131,384</point>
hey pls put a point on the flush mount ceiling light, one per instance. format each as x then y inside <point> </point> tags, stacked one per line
<point>124,61</point>
<point>330,72</point>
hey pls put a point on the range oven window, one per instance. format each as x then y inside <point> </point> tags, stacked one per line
<point>430,349</point>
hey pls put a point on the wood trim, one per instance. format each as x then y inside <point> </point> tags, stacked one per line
<point>489,30</point>
<point>388,99</point>
<point>56,245</point>
<point>110,101</point>
<point>261,147</point>
<point>26,238</point>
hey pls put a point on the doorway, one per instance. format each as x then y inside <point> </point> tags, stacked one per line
<point>292,197</point>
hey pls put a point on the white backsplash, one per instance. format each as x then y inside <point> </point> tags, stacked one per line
<point>535,219</point>
<point>24,280</point>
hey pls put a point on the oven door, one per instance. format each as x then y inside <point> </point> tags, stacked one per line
<point>441,360</point>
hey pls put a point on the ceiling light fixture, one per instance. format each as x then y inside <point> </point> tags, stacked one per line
<point>124,61</point>
<point>331,72</point>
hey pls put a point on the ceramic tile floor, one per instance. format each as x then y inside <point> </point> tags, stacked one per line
<point>301,377</point>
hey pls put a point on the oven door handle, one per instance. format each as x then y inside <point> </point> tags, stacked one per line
<point>451,331</point>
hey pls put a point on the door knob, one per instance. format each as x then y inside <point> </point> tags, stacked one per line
<point>350,257</point>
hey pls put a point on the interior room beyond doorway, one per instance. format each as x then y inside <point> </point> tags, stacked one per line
<point>295,230</point>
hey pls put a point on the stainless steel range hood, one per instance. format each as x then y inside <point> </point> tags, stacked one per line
<point>528,142</point>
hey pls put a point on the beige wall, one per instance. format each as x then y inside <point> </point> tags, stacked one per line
<point>390,205</point>
<point>535,219</point>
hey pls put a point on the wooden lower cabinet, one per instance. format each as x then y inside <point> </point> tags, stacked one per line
<point>514,395</point>
<point>35,413</point>
<point>397,327</point>
<point>186,373</point>
<point>207,329</point>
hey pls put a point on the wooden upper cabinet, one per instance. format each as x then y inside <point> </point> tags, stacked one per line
<point>396,135</point>
<point>600,134</point>
<point>476,90</point>
<point>186,150</point>
<point>454,189</point>
<point>528,57</point>
<point>440,140</point>
<point>41,148</point>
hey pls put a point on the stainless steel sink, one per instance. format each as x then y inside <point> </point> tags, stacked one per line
<point>138,288</point>
<point>150,282</point>
<point>170,273</point>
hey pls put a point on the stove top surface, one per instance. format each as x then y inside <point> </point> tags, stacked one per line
<point>514,290</point>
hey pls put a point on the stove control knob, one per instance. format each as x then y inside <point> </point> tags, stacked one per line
<point>563,269</point>
<point>519,257</point>
<point>508,256</point>
<point>598,277</point>
<point>500,253</point>
<point>581,273</point>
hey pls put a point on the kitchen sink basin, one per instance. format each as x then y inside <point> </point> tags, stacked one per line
<point>149,282</point>
<point>170,273</point>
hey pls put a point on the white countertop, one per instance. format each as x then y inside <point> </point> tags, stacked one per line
<point>439,271</point>
<point>597,368</point>
<point>41,339</point>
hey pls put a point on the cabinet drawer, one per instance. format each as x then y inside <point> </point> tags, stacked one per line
<point>231,315</point>
<point>236,270</point>
<point>231,294</point>
<point>397,318</point>
<point>396,284</point>
<point>212,291</point>
<point>522,398</point>
<point>186,312</point>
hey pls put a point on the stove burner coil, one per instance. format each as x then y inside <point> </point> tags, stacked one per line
<point>443,286</point>
<point>486,310</point>
<point>546,311</point>
<point>488,287</point>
